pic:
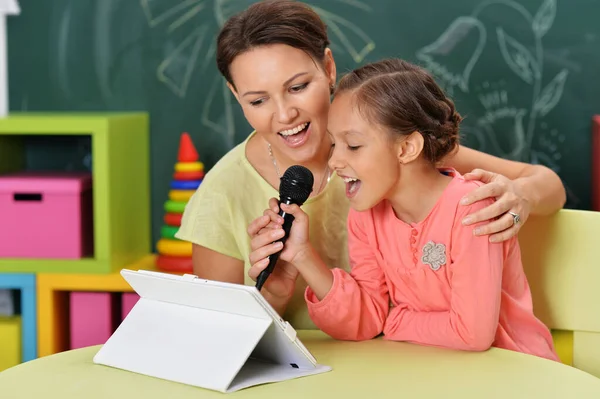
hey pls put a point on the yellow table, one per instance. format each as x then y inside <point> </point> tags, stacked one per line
<point>371,370</point>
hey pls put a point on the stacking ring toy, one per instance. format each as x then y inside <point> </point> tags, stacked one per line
<point>189,167</point>
<point>181,264</point>
<point>169,232</point>
<point>174,206</point>
<point>180,195</point>
<point>173,219</point>
<point>185,184</point>
<point>188,175</point>
<point>174,247</point>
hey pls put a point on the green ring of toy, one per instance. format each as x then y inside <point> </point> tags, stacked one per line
<point>168,232</point>
<point>174,206</point>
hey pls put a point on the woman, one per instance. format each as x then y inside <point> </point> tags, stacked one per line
<point>276,60</point>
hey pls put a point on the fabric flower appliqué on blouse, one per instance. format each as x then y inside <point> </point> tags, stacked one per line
<point>434,255</point>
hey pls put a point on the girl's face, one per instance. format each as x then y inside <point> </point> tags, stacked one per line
<point>364,155</point>
<point>285,97</point>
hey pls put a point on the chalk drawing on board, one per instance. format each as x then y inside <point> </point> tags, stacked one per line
<point>159,11</point>
<point>222,119</point>
<point>225,9</point>
<point>464,35</point>
<point>505,124</point>
<point>199,21</point>
<point>351,38</point>
<point>505,119</point>
<point>176,69</point>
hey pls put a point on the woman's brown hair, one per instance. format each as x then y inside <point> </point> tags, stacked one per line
<point>271,22</point>
<point>404,98</point>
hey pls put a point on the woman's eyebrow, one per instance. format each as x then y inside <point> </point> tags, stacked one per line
<point>287,82</point>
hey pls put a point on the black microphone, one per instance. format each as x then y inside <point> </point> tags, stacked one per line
<point>295,186</point>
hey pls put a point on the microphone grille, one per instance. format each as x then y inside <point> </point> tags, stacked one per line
<point>296,184</point>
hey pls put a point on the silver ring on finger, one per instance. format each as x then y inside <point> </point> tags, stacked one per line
<point>516,217</point>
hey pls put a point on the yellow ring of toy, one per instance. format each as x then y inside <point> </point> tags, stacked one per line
<point>174,247</point>
<point>180,195</point>
<point>189,167</point>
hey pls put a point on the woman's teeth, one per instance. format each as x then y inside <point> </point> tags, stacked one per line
<point>293,131</point>
<point>350,179</point>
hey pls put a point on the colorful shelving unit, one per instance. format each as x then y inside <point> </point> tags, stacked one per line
<point>57,294</point>
<point>120,184</point>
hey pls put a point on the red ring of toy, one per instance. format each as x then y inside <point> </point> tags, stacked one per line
<point>188,175</point>
<point>173,219</point>
<point>178,264</point>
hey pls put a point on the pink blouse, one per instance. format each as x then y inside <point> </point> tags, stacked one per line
<point>432,283</point>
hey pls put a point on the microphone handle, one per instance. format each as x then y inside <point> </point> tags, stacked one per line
<point>287,226</point>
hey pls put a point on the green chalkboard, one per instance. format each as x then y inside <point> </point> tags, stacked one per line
<point>523,73</point>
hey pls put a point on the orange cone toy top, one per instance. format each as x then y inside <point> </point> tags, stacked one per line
<point>187,151</point>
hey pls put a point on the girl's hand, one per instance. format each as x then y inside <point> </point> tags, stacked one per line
<point>509,198</point>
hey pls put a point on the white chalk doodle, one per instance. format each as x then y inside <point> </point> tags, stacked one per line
<point>176,69</point>
<point>502,127</point>
<point>455,39</point>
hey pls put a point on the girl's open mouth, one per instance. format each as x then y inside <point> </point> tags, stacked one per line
<point>352,186</point>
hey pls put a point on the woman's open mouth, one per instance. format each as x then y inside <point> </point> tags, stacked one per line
<point>297,136</point>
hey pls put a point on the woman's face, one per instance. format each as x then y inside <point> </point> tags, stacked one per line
<point>285,96</point>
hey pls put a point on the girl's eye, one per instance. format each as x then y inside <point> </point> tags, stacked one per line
<point>353,147</point>
<point>298,88</point>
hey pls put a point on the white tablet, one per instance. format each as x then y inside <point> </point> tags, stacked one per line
<point>211,334</point>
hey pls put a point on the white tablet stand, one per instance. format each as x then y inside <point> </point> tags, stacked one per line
<point>209,334</point>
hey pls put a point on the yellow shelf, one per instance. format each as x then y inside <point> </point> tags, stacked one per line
<point>52,300</point>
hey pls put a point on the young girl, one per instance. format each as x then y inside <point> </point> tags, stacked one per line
<point>417,273</point>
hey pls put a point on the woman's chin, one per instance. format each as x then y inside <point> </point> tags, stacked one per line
<point>307,153</point>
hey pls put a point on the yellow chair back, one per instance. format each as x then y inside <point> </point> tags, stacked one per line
<point>563,270</point>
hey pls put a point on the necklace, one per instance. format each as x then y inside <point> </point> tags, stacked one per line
<point>325,172</point>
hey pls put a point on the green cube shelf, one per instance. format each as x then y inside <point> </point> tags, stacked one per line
<point>121,184</point>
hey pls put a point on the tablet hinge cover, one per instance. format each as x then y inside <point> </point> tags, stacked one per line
<point>289,331</point>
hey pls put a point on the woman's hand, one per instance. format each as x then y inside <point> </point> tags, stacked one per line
<point>264,231</point>
<point>509,198</point>
<point>262,245</point>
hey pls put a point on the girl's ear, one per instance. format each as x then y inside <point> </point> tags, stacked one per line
<point>411,147</point>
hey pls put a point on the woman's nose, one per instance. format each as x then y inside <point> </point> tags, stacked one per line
<point>286,113</point>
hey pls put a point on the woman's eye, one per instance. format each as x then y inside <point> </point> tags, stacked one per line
<point>298,88</point>
<point>353,147</point>
<point>256,102</point>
